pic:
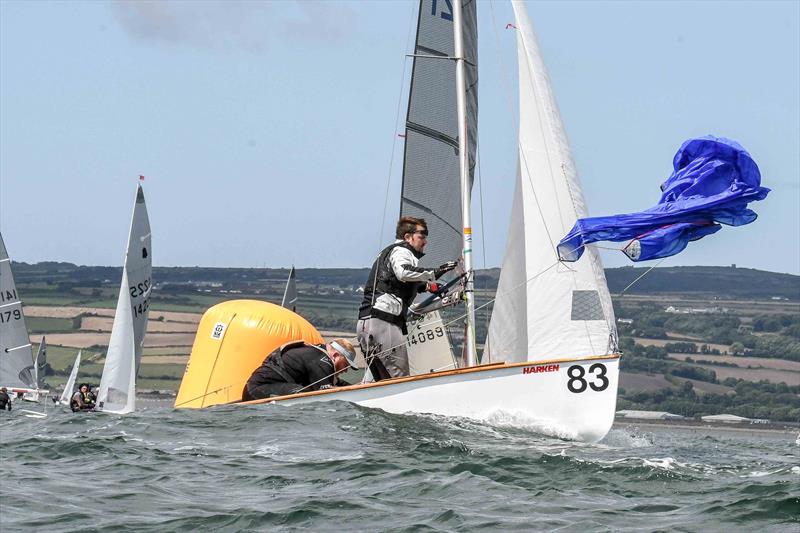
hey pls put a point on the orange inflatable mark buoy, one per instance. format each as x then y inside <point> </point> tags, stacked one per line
<point>232,340</point>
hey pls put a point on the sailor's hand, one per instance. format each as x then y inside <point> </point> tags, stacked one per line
<point>436,288</point>
<point>444,268</point>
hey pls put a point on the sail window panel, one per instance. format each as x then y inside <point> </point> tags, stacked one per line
<point>586,306</point>
<point>116,397</point>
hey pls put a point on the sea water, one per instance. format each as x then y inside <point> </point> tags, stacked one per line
<point>337,466</point>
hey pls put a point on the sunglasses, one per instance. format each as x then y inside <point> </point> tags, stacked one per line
<point>423,232</point>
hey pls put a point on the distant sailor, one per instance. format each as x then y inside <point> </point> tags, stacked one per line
<point>5,399</point>
<point>83,399</point>
<point>300,367</point>
<point>394,281</point>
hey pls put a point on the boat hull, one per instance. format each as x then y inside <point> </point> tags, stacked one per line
<point>567,398</point>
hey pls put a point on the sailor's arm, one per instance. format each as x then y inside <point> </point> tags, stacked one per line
<point>406,267</point>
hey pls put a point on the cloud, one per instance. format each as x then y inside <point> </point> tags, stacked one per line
<point>233,25</point>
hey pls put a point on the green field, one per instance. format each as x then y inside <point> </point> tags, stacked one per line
<point>49,325</point>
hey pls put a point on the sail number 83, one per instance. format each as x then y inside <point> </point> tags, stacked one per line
<point>578,381</point>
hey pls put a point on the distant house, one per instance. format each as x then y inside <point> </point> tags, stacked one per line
<point>727,419</point>
<point>695,310</point>
<point>648,415</point>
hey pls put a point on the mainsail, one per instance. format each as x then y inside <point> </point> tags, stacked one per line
<point>290,293</point>
<point>431,170</point>
<point>16,357</point>
<point>544,308</point>
<point>69,387</point>
<point>430,167</point>
<point>118,383</point>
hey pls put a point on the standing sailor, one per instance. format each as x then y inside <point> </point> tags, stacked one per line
<point>394,281</point>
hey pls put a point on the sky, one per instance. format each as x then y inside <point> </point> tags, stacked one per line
<point>267,131</point>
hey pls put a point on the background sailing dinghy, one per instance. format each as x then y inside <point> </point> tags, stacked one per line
<point>69,386</point>
<point>18,370</point>
<point>38,372</point>
<point>552,352</point>
<point>290,292</point>
<point>117,391</point>
<point>40,364</point>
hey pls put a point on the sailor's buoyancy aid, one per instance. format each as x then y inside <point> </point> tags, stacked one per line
<point>275,359</point>
<point>387,283</point>
<point>88,398</point>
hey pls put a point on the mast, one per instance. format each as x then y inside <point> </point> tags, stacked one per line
<point>466,197</point>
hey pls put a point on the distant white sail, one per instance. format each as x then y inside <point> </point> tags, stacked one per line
<point>290,294</point>
<point>546,309</point>
<point>69,387</point>
<point>40,363</point>
<point>16,357</point>
<point>118,384</point>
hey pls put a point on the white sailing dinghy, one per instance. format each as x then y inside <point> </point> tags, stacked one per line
<point>17,368</point>
<point>69,386</point>
<point>39,366</point>
<point>117,391</point>
<point>290,293</point>
<point>551,353</point>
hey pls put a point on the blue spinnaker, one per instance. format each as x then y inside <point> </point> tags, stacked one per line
<point>713,181</point>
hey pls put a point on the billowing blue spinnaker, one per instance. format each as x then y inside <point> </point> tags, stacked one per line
<point>713,181</point>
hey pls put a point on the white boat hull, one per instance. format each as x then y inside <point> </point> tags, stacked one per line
<point>553,397</point>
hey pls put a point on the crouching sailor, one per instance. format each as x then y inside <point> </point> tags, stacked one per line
<point>83,399</point>
<point>300,367</point>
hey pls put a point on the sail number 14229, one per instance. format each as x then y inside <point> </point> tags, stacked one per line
<point>140,289</point>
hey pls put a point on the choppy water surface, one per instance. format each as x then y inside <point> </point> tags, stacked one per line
<point>336,466</point>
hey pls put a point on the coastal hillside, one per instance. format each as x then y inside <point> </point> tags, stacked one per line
<point>695,340</point>
<point>718,282</point>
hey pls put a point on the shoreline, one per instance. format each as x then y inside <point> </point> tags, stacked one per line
<point>697,425</point>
